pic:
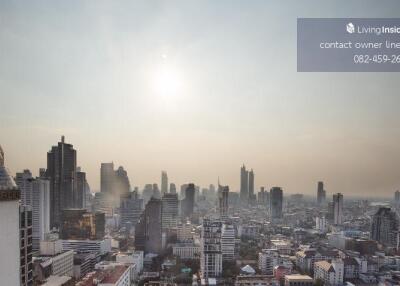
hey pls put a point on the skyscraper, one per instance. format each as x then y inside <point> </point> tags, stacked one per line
<point>276,203</point>
<point>148,232</point>
<point>385,227</point>
<point>130,209</point>
<point>113,183</point>
<point>164,183</point>
<point>9,221</point>
<point>337,209</point>
<point>80,188</point>
<point>321,193</point>
<point>172,188</point>
<point>61,170</point>
<point>35,193</point>
<point>252,196</point>
<point>107,177</point>
<point>397,198</point>
<point>40,211</point>
<point>169,210</point>
<point>210,249</point>
<point>122,184</point>
<point>24,182</point>
<point>244,186</point>
<point>188,201</point>
<point>223,203</point>
<point>228,242</point>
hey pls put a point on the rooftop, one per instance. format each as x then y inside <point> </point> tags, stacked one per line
<point>115,275</point>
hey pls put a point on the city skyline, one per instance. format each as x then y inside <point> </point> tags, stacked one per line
<point>155,87</point>
<point>236,188</point>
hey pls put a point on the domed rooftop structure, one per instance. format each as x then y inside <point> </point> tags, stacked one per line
<point>6,180</point>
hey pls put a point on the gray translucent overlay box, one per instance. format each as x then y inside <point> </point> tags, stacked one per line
<point>348,44</point>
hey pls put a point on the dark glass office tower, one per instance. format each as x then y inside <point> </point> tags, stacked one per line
<point>61,170</point>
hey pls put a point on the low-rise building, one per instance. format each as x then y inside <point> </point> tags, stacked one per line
<point>330,273</point>
<point>186,250</point>
<point>298,280</point>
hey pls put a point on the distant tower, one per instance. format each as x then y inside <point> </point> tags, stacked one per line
<point>252,197</point>
<point>169,210</point>
<point>81,189</point>
<point>223,202</point>
<point>61,170</point>
<point>131,208</point>
<point>164,183</point>
<point>321,194</point>
<point>276,203</point>
<point>188,201</point>
<point>107,177</point>
<point>172,188</point>
<point>244,186</point>
<point>397,198</point>
<point>337,209</point>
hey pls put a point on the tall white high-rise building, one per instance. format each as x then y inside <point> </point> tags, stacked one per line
<point>228,242</point>
<point>337,209</point>
<point>210,249</point>
<point>36,194</point>
<point>9,222</point>
<point>40,211</point>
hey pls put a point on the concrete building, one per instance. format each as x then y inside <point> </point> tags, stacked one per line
<point>223,202</point>
<point>87,246</point>
<point>385,227</point>
<point>131,208</point>
<point>252,196</point>
<point>164,183</point>
<point>320,224</point>
<point>298,280</point>
<point>329,273</point>
<point>267,260</point>
<point>244,186</point>
<point>338,209</point>
<point>79,224</point>
<point>170,210</point>
<point>211,254</point>
<point>36,194</point>
<point>148,232</point>
<point>62,261</point>
<point>321,194</point>
<point>25,241</point>
<point>228,242</point>
<point>184,232</point>
<point>186,250</point>
<point>187,203</point>
<point>276,203</point>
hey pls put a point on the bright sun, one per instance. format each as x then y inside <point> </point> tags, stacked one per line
<point>168,81</point>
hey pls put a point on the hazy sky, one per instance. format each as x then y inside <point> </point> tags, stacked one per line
<point>196,88</point>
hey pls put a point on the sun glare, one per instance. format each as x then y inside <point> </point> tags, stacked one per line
<point>167,81</point>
